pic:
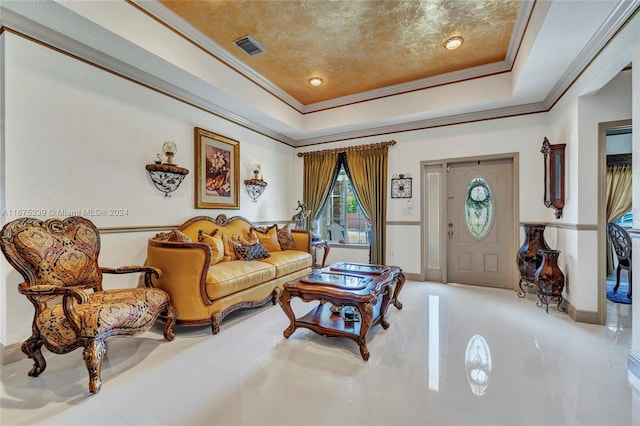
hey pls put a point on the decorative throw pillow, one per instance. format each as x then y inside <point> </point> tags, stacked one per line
<point>285,239</point>
<point>216,244</point>
<point>229,252</point>
<point>251,239</point>
<point>174,236</point>
<point>268,238</point>
<point>161,236</point>
<point>251,252</point>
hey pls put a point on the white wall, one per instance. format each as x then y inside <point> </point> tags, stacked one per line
<point>3,283</point>
<point>574,122</point>
<point>78,138</point>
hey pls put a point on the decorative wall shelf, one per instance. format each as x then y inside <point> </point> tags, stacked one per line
<point>166,177</point>
<point>255,188</point>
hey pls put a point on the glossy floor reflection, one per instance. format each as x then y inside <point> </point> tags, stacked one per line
<point>454,355</point>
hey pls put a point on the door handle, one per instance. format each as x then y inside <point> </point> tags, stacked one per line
<point>450,233</point>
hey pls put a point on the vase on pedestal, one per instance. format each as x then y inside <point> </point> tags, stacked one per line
<point>529,257</point>
<point>550,279</point>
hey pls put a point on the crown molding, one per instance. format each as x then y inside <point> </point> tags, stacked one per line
<point>623,12</point>
<point>174,22</point>
<point>519,28</point>
<point>524,13</point>
<point>410,86</point>
<point>22,26</point>
<point>449,120</point>
<point>160,75</point>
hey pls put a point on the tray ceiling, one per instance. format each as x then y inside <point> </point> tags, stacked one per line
<point>521,57</point>
<point>356,46</point>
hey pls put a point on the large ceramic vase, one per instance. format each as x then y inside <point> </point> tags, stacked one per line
<point>549,277</point>
<point>529,257</point>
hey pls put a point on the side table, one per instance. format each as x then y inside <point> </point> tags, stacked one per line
<point>321,244</point>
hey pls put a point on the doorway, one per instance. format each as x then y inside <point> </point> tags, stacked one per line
<point>469,223</point>
<point>615,206</point>
<point>480,223</point>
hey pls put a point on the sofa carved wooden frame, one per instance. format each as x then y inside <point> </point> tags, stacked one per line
<point>216,317</point>
<point>58,260</point>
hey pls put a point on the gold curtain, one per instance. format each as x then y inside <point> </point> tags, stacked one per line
<point>319,171</point>
<point>619,201</point>
<point>367,169</point>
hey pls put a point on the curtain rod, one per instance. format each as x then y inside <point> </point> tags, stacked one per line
<point>349,148</point>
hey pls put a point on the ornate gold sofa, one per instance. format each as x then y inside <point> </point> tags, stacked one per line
<point>205,285</point>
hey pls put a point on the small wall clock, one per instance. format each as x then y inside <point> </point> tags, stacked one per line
<point>401,186</point>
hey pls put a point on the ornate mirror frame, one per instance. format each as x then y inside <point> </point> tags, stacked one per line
<point>554,176</point>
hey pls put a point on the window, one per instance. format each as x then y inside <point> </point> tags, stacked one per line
<point>478,208</point>
<point>342,219</point>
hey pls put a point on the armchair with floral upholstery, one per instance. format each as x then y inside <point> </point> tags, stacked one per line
<point>58,260</point>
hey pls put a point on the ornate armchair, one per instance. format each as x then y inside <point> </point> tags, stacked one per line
<point>58,260</point>
<point>622,246</point>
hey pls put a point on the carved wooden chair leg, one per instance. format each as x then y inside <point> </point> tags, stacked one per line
<point>31,348</point>
<point>171,315</point>
<point>93,355</point>
<point>216,320</point>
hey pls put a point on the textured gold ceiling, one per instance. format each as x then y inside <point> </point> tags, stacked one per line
<point>356,45</point>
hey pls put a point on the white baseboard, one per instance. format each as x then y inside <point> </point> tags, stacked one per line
<point>11,353</point>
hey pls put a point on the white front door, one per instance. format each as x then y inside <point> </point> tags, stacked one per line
<point>480,223</point>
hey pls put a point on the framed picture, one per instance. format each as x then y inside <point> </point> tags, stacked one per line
<point>217,172</point>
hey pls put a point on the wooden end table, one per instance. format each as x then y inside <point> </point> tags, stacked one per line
<point>368,292</point>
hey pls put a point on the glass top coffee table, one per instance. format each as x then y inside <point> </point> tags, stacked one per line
<point>359,268</point>
<point>364,290</point>
<point>338,280</point>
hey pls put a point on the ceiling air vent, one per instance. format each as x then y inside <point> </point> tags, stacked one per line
<point>249,45</point>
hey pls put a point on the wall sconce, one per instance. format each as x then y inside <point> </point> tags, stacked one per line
<point>169,150</point>
<point>255,186</point>
<point>166,177</point>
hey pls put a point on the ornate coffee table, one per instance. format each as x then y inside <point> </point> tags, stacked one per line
<point>368,269</point>
<point>364,288</point>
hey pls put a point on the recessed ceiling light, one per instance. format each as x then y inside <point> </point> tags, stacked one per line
<point>315,81</point>
<point>453,43</point>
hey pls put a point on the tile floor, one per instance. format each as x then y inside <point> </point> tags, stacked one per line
<point>454,355</point>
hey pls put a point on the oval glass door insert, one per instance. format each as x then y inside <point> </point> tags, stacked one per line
<point>478,208</point>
